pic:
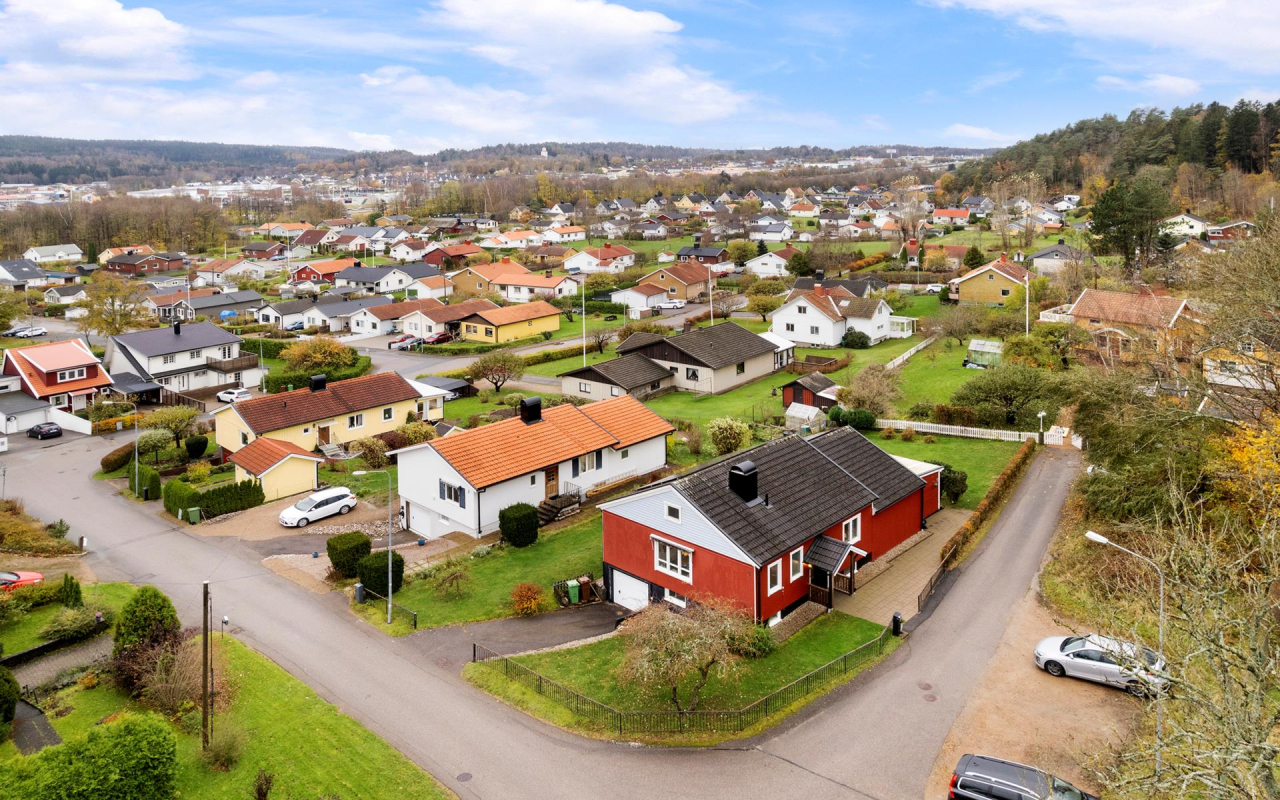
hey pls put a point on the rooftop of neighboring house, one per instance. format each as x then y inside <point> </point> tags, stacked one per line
<point>1059,250</point>
<point>535,280</point>
<point>609,252</point>
<point>176,338</point>
<point>815,382</point>
<point>628,372</point>
<point>503,266</point>
<point>646,289</point>
<point>263,453</point>
<point>55,249</point>
<point>285,410</point>
<point>260,247</point>
<point>951,212</point>
<point>172,298</point>
<point>298,306</point>
<point>457,311</point>
<point>342,309</point>
<point>1124,308</point>
<point>1002,265</point>
<point>219,265</point>
<point>331,267</point>
<point>68,290</point>
<point>570,229</point>
<point>836,302</point>
<point>398,310</point>
<point>143,249</point>
<point>311,237</point>
<point>514,447</point>
<point>462,250</point>
<point>225,299</point>
<point>34,361</point>
<point>705,252</point>
<point>506,315</point>
<point>715,346</point>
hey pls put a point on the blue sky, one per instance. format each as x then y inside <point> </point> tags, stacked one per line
<point>722,73</point>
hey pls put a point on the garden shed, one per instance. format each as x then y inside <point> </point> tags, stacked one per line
<point>985,352</point>
<point>800,416</point>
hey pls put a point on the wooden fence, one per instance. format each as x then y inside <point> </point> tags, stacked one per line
<point>902,359</point>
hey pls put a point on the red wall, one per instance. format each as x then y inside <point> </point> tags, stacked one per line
<point>931,496</point>
<point>628,547</point>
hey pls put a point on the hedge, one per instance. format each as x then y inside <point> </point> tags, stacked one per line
<point>224,499</point>
<point>117,458</point>
<point>1001,486</point>
<point>149,479</point>
<point>266,348</point>
<point>345,551</point>
<point>372,572</point>
<point>108,425</point>
<point>279,382</point>
<point>593,306</point>
<point>9,693</point>
<point>133,758</point>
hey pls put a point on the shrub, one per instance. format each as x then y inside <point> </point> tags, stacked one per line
<point>41,594</point>
<point>513,399</point>
<point>486,395</point>
<point>887,433</point>
<point>929,439</point>
<point>908,434</point>
<point>132,758</point>
<point>345,551</point>
<point>149,479</point>
<point>758,643</point>
<point>225,746</point>
<point>693,441</point>
<point>449,578</point>
<point>9,691</point>
<point>74,624</point>
<point>224,499</point>
<point>727,434</point>
<point>117,458</point>
<point>855,340</point>
<point>198,471</point>
<point>373,451</point>
<point>860,418</point>
<point>394,440</point>
<point>953,482</point>
<point>153,441</point>
<point>70,594</point>
<point>196,445</point>
<point>519,524</point>
<point>526,599</point>
<point>372,572</point>
<point>417,432</point>
<point>147,618</point>
<point>920,412</point>
<point>59,529</point>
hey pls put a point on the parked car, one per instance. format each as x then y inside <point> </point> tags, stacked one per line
<point>438,338</point>
<point>934,288</point>
<point>990,778</point>
<point>407,337</point>
<point>412,341</point>
<point>318,505</point>
<point>295,326</point>
<point>277,258</point>
<point>233,395</point>
<point>31,333</point>
<point>671,304</point>
<point>44,430</point>
<point>15,330</point>
<point>13,580</point>
<point>1104,660</point>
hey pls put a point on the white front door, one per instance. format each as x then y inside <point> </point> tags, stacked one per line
<point>629,592</point>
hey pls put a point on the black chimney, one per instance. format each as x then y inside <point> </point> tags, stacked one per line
<point>819,275</point>
<point>1062,241</point>
<point>177,328</point>
<point>531,410</point>
<point>317,383</point>
<point>742,482</point>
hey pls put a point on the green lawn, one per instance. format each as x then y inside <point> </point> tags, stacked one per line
<point>23,632</point>
<point>551,369</point>
<point>464,407</point>
<point>982,459</point>
<point>557,555</point>
<point>756,399</point>
<point>922,305</point>
<point>592,669</point>
<point>370,487</point>
<point>989,241</point>
<point>311,747</point>
<point>932,375</point>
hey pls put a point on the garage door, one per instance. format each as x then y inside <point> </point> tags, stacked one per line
<point>629,592</point>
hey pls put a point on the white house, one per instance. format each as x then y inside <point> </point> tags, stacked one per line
<point>772,264</point>
<point>183,357</point>
<point>460,483</point>
<point>1185,224</point>
<point>336,317</point>
<point>642,295</point>
<point>387,319</point>
<point>437,286</point>
<point>66,295</point>
<point>610,258</point>
<point>778,232</point>
<point>54,253</point>
<point>564,233</point>
<point>517,239</point>
<point>821,317</point>
<point>521,287</point>
<point>408,250</point>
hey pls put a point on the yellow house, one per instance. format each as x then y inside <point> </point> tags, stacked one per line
<point>324,415</point>
<point>282,468</point>
<point>1250,364</point>
<point>507,324</point>
<point>479,278</point>
<point>989,285</point>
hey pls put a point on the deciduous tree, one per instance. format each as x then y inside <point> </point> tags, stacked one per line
<point>177,420</point>
<point>317,354</point>
<point>764,305</point>
<point>498,368</point>
<point>113,305</point>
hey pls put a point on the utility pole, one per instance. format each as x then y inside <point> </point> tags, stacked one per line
<point>204,673</point>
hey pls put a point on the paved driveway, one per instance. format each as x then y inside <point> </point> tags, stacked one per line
<point>877,737</point>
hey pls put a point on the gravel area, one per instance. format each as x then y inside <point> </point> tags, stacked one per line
<point>310,572</point>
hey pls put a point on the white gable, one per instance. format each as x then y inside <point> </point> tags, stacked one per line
<point>649,508</point>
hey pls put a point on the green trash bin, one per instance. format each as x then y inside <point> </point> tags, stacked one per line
<point>573,592</point>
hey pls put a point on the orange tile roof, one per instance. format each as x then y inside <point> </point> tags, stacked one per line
<point>1014,272</point>
<point>33,361</point>
<point>278,411</point>
<point>570,229</point>
<point>264,453</point>
<point>177,297</point>
<point>434,281</point>
<point>398,310</point>
<point>609,251</point>
<point>515,236</point>
<point>331,267</point>
<point>954,213</point>
<point>462,250</point>
<point>1123,308</point>
<point>492,272</point>
<point>220,264</point>
<point>519,313</point>
<point>510,448</point>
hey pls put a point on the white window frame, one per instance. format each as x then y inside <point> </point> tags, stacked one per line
<point>773,587</point>
<point>674,598</point>
<point>668,516</point>
<point>355,421</point>
<point>584,387</point>
<point>681,568</point>
<point>71,374</point>
<point>387,414</point>
<point>797,563</point>
<point>851,530</point>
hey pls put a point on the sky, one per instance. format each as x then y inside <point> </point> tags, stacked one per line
<point>713,73</point>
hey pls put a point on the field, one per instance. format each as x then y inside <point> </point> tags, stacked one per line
<point>312,748</point>
<point>982,459</point>
<point>932,375</point>
<point>990,242</point>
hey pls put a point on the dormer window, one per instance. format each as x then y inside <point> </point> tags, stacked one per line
<point>71,374</point>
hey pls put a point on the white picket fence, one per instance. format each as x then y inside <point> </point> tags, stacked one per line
<point>1059,437</point>
<point>902,359</point>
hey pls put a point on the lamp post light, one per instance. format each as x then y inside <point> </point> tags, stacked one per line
<point>1040,415</point>
<point>1098,538</point>
<point>390,530</point>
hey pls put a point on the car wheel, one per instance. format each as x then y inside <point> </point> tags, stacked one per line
<point>302,522</point>
<point>1136,689</point>
<point>344,509</point>
<point>1054,668</point>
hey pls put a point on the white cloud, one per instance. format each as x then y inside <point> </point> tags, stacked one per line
<point>1156,83</point>
<point>1244,34</point>
<point>974,133</point>
<point>994,79</point>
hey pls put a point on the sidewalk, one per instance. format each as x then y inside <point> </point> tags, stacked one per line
<point>43,670</point>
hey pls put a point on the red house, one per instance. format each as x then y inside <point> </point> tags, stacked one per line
<point>814,389</point>
<point>65,374</point>
<point>770,529</point>
<point>321,271</point>
<point>141,263</point>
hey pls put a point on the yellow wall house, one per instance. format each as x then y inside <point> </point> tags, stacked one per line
<point>307,418</point>
<point>989,285</point>
<point>498,325</point>
<point>282,468</point>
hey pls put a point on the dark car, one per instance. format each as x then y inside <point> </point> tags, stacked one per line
<point>45,430</point>
<point>990,778</point>
<point>408,344</point>
<point>15,330</point>
<point>438,338</point>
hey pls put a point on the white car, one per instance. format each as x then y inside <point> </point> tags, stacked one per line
<point>318,505</point>
<point>31,332</point>
<point>1105,660</point>
<point>935,288</point>
<point>233,395</point>
<point>671,304</point>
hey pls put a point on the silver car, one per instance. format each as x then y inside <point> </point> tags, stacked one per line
<point>1139,670</point>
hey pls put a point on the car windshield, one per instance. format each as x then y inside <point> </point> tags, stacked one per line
<point>1150,656</point>
<point>1065,791</point>
<point>8,576</point>
<point>306,504</point>
<point>1072,643</point>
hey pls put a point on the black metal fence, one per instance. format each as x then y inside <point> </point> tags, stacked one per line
<point>660,722</point>
<point>395,606</point>
<point>933,580</point>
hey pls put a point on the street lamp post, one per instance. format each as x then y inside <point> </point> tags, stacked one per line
<point>137,490</point>
<point>1040,414</point>
<point>1098,538</point>
<point>389,532</point>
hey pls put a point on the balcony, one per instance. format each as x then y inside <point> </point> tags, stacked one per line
<point>237,364</point>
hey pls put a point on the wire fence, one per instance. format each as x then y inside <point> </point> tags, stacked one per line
<point>394,605</point>
<point>662,722</point>
<point>927,591</point>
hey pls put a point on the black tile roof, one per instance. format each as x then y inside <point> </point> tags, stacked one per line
<point>814,381</point>
<point>827,553</point>
<point>627,372</point>
<point>879,471</point>
<point>859,288</point>
<point>712,347</point>
<point>162,341</point>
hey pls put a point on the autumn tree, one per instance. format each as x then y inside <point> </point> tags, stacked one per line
<point>177,420</point>
<point>741,251</point>
<point>599,339</point>
<point>599,282</point>
<point>498,368</point>
<point>666,650</point>
<point>12,306</point>
<point>318,354</point>
<point>113,305</point>
<point>874,389</point>
<point>767,286</point>
<point>764,305</point>
<point>957,322</point>
<point>935,260</point>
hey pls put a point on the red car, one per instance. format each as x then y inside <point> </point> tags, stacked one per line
<point>12,580</point>
<point>438,338</point>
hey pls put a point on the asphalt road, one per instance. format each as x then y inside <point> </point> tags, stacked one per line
<point>874,738</point>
